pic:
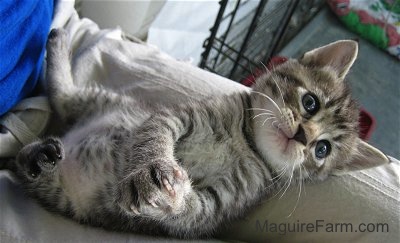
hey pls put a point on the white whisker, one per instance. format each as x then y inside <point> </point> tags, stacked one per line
<point>280,91</point>
<point>265,114</point>
<point>284,184</point>
<point>287,182</point>
<point>280,174</point>
<point>270,99</point>
<point>252,74</point>
<point>305,170</point>
<point>259,109</point>
<point>298,197</point>
<point>267,120</point>
<point>290,181</point>
<point>266,69</point>
<point>273,79</point>
<point>283,167</point>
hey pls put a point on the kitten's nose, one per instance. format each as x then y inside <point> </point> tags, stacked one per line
<point>300,136</point>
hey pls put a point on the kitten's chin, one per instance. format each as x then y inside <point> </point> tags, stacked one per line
<point>285,145</point>
<point>278,150</point>
<point>282,143</point>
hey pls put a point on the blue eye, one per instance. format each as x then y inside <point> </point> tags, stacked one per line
<point>310,103</point>
<point>322,149</point>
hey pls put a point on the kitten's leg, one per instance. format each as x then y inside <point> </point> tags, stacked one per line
<point>157,189</point>
<point>69,100</point>
<point>142,190</point>
<point>204,210</point>
<point>60,84</point>
<point>187,212</point>
<point>37,168</point>
<point>191,212</point>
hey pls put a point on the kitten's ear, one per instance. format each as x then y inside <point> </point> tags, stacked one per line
<point>339,55</point>
<point>366,157</point>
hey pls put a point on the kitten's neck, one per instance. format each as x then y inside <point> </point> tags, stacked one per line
<point>248,126</point>
<point>248,131</point>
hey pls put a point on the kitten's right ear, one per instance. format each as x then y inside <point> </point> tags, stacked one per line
<point>339,55</point>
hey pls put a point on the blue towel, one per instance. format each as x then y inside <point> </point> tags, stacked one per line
<point>24,25</point>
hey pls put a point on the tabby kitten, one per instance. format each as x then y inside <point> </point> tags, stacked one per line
<point>182,171</point>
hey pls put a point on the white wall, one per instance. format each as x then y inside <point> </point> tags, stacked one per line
<point>132,16</point>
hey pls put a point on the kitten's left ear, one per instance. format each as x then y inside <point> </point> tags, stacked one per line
<point>366,157</point>
<point>339,55</point>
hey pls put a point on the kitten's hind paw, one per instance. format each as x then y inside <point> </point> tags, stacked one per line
<point>57,34</point>
<point>57,42</point>
<point>158,190</point>
<point>39,157</point>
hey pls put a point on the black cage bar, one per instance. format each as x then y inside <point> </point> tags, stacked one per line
<point>247,33</point>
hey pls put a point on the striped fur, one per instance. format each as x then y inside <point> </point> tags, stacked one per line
<point>184,170</point>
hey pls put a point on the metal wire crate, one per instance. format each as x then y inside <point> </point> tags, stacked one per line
<point>248,33</point>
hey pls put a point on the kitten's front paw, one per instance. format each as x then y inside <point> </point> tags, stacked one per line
<point>157,190</point>
<point>39,157</point>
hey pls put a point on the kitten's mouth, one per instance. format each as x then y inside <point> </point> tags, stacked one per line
<point>283,139</point>
<point>287,139</point>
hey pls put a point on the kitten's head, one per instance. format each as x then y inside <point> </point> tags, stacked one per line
<point>305,118</point>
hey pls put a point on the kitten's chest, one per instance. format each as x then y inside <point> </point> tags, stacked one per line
<point>206,157</point>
